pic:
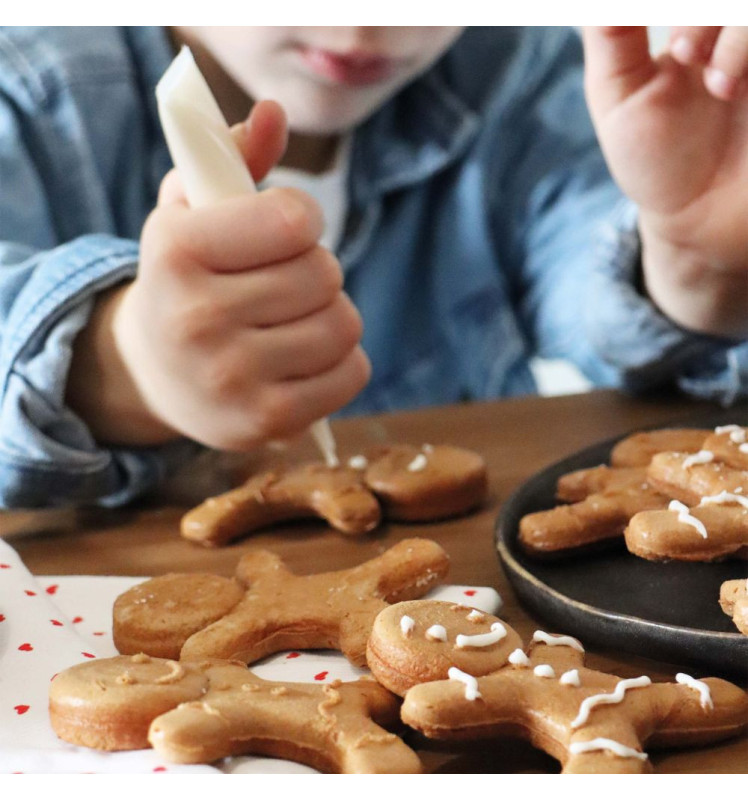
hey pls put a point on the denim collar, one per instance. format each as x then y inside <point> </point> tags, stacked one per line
<point>423,130</point>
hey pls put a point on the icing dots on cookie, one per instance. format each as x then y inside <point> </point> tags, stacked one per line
<point>406,625</point>
<point>437,633</point>
<point>570,678</point>
<point>518,658</point>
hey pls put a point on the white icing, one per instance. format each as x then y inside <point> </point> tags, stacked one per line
<point>601,743</point>
<point>724,498</point>
<point>471,683</point>
<point>554,641</point>
<point>705,695</point>
<point>418,463</point>
<point>737,433</point>
<point>496,634</point>
<point>686,518</point>
<point>437,633</point>
<point>358,462</point>
<point>544,671</point>
<point>476,616</point>
<point>743,448</point>
<point>428,448</point>
<point>519,658</point>
<point>407,624</point>
<point>702,457</point>
<point>570,678</point>
<point>616,696</point>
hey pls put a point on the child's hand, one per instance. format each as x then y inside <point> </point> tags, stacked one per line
<point>674,130</point>
<point>236,329</point>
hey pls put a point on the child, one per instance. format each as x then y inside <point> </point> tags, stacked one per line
<point>469,206</point>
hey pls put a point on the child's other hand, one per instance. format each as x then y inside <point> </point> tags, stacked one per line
<point>236,329</point>
<point>674,132</point>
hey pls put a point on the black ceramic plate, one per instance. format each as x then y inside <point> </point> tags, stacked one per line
<point>666,611</point>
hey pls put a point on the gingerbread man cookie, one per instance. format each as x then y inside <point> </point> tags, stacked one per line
<point>421,640</point>
<point>200,712</point>
<point>590,721</point>
<point>733,598</point>
<point>335,494</point>
<point>400,481</point>
<point>604,500</point>
<point>280,610</point>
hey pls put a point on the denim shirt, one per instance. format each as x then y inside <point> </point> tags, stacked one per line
<point>483,229</point>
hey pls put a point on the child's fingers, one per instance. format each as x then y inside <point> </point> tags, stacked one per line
<point>725,77</point>
<point>311,345</point>
<point>692,44</point>
<point>617,63</point>
<point>263,137</point>
<point>239,233</point>
<point>295,404</point>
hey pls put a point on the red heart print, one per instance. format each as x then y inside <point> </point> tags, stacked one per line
<point>21,709</point>
<point>77,619</point>
<point>159,769</point>
<point>56,622</point>
<point>2,617</point>
<point>52,589</point>
<point>4,566</point>
<point>88,655</point>
<point>320,676</point>
<point>293,655</point>
<point>470,592</point>
<point>98,633</point>
<point>26,647</point>
<point>29,593</point>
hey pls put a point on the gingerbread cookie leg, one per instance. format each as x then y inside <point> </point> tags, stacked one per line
<point>637,449</point>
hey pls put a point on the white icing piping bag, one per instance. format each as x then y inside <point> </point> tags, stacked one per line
<point>209,161</point>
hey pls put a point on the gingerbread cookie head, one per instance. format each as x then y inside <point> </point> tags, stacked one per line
<point>108,704</point>
<point>158,616</point>
<point>428,483</point>
<point>589,720</point>
<point>421,640</point>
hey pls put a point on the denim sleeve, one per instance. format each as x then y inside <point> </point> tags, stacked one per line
<point>48,456</point>
<point>577,252</point>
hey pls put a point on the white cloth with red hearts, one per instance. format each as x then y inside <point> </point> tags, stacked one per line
<point>48,624</point>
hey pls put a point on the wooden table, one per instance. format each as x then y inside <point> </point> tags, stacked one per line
<point>517,438</point>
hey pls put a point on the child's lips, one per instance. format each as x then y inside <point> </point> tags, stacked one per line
<point>352,69</point>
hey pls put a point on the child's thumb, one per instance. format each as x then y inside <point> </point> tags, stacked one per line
<point>263,137</point>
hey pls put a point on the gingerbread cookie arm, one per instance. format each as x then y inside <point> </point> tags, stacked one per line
<point>576,486</point>
<point>702,533</point>
<point>637,449</point>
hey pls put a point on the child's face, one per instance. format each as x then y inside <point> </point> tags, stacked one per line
<point>327,79</point>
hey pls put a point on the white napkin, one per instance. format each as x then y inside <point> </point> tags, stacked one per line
<point>50,623</point>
